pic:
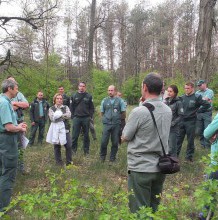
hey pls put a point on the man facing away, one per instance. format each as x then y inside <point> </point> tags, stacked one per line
<point>204,118</point>
<point>8,141</point>
<point>144,148</point>
<point>38,116</point>
<point>112,109</point>
<point>192,104</point>
<point>66,99</point>
<point>82,109</point>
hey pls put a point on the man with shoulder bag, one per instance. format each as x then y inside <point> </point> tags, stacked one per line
<point>145,178</point>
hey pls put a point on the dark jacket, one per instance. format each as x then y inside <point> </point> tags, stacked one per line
<point>194,104</point>
<point>34,110</point>
<point>66,100</point>
<point>82,105</point>
<point>177,110</point>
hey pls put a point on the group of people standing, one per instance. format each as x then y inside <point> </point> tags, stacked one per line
<point>175,117</point>
<point>79,108</point>
<point>192,113</point>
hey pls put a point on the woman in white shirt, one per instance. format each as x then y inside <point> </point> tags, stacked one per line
<point>59,130</point>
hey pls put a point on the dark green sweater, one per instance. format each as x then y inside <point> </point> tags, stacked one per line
<point>82,105</point>
<point>192,104</point>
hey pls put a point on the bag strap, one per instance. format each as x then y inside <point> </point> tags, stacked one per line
<point>84,94</point>
<point>150,108</point>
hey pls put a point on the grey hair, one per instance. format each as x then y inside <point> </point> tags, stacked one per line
<point>8,83</point>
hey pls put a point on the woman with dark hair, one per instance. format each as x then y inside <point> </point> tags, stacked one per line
<point>59,130</point>
<point>177,110</point>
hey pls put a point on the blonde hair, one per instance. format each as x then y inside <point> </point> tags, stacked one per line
<point>55,96</point>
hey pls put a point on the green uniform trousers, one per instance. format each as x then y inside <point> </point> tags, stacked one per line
<point>8,166</point>
<point>144,187</point>
<point>113,132</point>
<point>203,120</point>
<point>187,128</point>
<point>78,124</point>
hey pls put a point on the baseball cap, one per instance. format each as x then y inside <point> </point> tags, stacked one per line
<point>200,82</point>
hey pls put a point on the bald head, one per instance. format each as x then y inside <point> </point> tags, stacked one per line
<point>111,91</point>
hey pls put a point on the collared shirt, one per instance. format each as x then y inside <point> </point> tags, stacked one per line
<point>7,113</point>
<point>41,112</point>
<point>144,145</point>
<point>208,93</point>
<point>19,98</point>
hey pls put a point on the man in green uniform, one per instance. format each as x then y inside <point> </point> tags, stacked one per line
<point>204,118</point>
<point>113,109</point>
<point>66,99</point>
<point>8,141</point>
<point>192,104</point>
<point>82,109</point>
<point>38,116</point>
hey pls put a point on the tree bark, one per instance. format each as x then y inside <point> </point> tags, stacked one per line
<point>91,36</point>
<point>203,38</point>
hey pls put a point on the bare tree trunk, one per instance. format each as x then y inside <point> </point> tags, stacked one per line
<point>91,36</point>
<point>203,39</point>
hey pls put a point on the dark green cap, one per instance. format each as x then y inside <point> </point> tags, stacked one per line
<point>200,82</point>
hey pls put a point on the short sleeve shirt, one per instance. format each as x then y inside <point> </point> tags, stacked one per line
<point>7,114</point>
<point>208,93</point>
<point>19,98</point>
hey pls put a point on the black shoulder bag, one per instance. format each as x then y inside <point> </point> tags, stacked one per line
<point>167,164</point>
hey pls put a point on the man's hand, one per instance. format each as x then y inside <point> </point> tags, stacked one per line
<point>123,140</point>
<point>23,126</point>
<point>213,138</point>
<point>15,107</point>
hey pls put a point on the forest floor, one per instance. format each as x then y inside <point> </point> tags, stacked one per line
<point>111,178</point>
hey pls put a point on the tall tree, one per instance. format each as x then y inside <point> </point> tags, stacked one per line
<point>91,36</point>
<point>31,15</point>
<point>203,38</point>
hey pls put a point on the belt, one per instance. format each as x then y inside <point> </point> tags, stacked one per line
<point>8,133</point>
<point>41,116</point>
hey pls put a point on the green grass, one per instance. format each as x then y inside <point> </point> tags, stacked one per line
<point>90,171</point>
